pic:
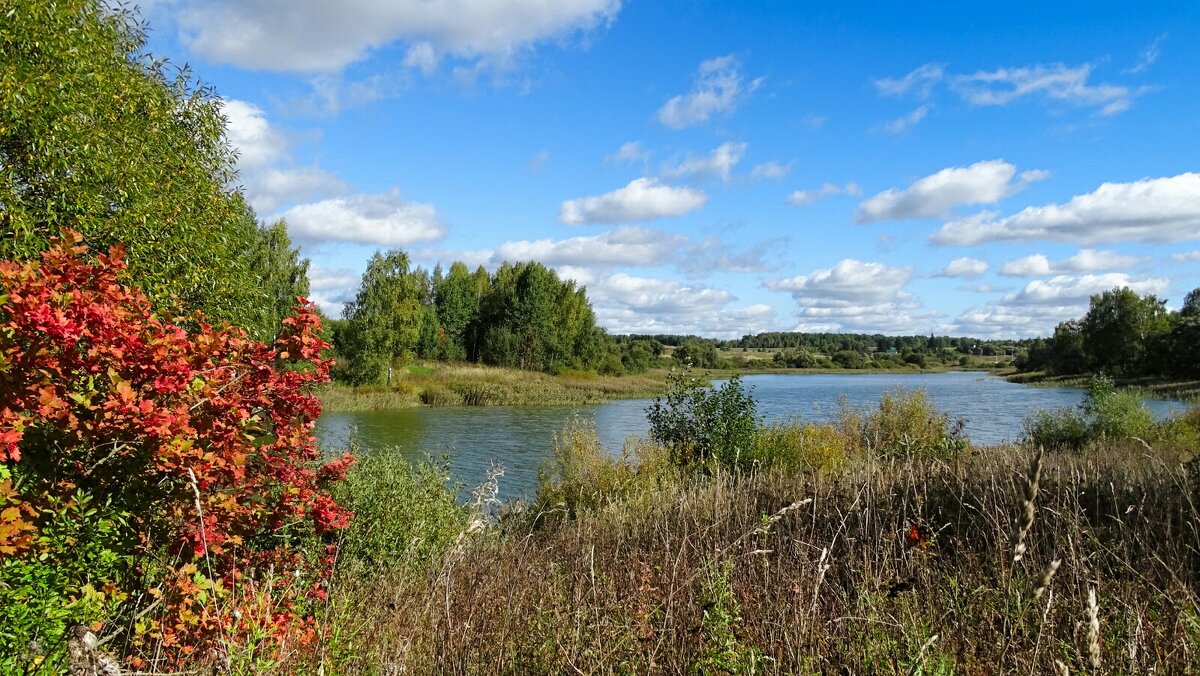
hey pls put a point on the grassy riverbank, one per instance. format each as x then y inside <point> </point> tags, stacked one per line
<point>437,384</point>
<point>866,546</point>
<point>1147,386</point>
<point>473,385</point>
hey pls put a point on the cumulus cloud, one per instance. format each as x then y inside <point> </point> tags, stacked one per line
<point>631,304</point>
<point>718,89</point>
<point>919,81</point>
<point>903,124</point>
<point>643,199</point>
<point>321,36</point>
<point>332,288</point>
<point>1043,303</point>
<point>249,132</point>
<point>938,194</point>
<point>269,189</point>
<point>806,197</point>
<point>1149,210</point>
<point>965,268</point>
<point>268,176</point>
<point>1033,265</point>
<point>717,164</point>
<point>854,296</point>
<point>385,219</point>
<point>1058,82</point>
<point>627,246</point>
<point>1087,260</point>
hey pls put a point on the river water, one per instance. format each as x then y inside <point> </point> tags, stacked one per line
<point>519,438</point>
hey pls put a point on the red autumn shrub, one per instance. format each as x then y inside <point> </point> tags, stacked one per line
<point>200,438</point>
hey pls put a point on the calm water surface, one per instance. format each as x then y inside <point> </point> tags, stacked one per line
<point>519,438</point>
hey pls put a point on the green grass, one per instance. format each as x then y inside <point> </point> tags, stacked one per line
<point>472,385</point>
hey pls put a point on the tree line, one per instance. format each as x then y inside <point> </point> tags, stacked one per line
<point>1123,334</point>
<point>521,316</point>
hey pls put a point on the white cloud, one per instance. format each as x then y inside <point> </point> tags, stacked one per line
<point>631,152</point>
<point>385,219</point>
<point>966,268</point>
<point>919,81</point>
<point>848,281</point>
<point>805,197</point>
<point>1187,256</point>
<point>771,170</point>
<point>538,160</point>
<point>630,304</point>
<point>1148,56</point>
<point>718,89</point>
<point>938,194</point>
<point>332,288</point>
<point>627,246</point>
<point>268,177</point>
<point>1034,265</point>
<point>713,254</point>
<point>269,189</point>
<point>249,133</point>
<point>903,124</point>
<point>813,121</point>
<point>1058,82</point>
<point>717,164</point>
<point>1037,308</point>
<point>322,36</point>
<point>1148,210</point>
<point>854,296</point>
<point>643,199</point>
<point>1086,260</point>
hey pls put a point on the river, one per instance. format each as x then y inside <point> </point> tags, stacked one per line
<point>519,438</point>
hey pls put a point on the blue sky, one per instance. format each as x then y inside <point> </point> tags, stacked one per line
<point>726,168</point>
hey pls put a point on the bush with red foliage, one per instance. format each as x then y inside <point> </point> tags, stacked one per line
<point>199,436</point>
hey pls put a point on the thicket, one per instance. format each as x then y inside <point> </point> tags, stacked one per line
<point>158,486</point>
<point>1123,334</point>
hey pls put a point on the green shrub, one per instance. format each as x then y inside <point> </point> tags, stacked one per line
<point>580,475</point>
<point>703,425</point>
<point>1115,414</point>
<point>405,514</point>
<point>815,448</point>
<point>1057,429</point>
<point>905,424</point>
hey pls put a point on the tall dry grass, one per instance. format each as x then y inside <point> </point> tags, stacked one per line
<point>894,565</point>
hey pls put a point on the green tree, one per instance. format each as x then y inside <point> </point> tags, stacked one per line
<point>1183,346</point>
<point>280,275</point>
<point>1118,327</point>
<point>99,136</point>
<point>382,322</point>
<point>457,307</point>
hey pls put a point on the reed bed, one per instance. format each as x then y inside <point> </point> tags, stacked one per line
<point>471,385</point>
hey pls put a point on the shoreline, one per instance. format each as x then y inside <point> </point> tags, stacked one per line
<point>443,385</point>
<point>1154,387</point>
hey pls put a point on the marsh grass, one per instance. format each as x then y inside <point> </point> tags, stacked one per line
<point>472,385</point>
<point>691,573</point>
